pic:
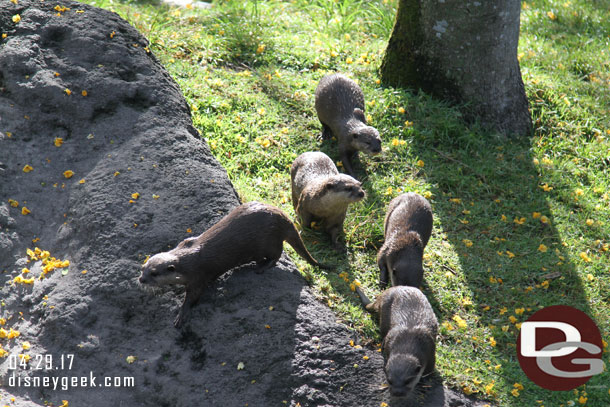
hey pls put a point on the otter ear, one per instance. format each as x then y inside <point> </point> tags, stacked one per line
<point>359,114</point>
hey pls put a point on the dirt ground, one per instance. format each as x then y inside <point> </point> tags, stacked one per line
<point>142,180</point>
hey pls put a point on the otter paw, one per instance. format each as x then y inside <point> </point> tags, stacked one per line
<point>339,246</point>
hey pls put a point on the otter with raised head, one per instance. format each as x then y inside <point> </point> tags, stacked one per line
<point>408,327</point>
<point>321,194</point>
<point>340,108</point>
<point>408,225</point>
<point>251,232</point>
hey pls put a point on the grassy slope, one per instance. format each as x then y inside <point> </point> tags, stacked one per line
<point>249,74</point>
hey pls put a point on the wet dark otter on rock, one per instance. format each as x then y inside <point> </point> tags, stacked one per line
<point>251,232</point>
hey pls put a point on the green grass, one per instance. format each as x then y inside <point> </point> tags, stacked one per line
<point>249,73</point>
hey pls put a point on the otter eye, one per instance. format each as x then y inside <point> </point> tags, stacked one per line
<point>355,135</point>
<point>171,267</point>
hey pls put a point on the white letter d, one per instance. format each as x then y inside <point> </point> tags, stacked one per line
<point>528,338</point>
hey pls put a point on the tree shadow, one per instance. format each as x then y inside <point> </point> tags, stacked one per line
<point>495,214</point>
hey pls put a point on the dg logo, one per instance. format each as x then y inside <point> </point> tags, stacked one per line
<point>560,348</point>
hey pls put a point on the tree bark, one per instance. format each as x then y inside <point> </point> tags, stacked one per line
<point>465,51</point>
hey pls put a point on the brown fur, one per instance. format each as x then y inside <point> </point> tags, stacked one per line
<point>408,327</point>
<point>321,194</point>
<point>340,108</point>
<point>251,232</point>
<point>408,226</point>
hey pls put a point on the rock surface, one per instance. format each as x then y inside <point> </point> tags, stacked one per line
<point>142,177</point>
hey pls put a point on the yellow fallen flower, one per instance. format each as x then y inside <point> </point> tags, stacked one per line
<point>460,321</point>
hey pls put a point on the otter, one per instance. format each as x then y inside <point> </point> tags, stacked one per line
<point>340,108</point>
<point>251,232</point>
<point>320,193</point>
<point>408,225</point>
<point>408,327</point>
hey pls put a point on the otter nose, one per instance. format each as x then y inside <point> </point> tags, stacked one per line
<point>398,392</point>
<point>361,194</point>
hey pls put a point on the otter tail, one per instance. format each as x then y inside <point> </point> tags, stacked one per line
<point>365,300</point>
<point>294,239</point>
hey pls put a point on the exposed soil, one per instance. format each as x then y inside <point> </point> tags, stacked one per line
<point>131,133</point>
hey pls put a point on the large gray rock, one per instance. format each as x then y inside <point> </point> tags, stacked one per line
<point>132,133</point>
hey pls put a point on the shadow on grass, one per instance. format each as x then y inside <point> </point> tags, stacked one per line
<point>496,216</point>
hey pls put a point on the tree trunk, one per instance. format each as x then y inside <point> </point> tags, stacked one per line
<point>465,51</point>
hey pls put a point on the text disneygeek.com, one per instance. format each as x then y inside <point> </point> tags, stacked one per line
<point>37,365</point>
<point>68,382</point>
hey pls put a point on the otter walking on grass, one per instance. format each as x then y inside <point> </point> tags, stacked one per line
<point>408,327</point>
<point>320,193</point>
<point>408,225</point>
<point>340,108</point>
<point>251,232</point>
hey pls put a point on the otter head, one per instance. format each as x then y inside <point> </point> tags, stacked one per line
<point>362,137</point>
<point>161,269</point>
<point>404,260</point>
<point>366,139</point>
<point>345,186</point>
<point>403,372</point>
